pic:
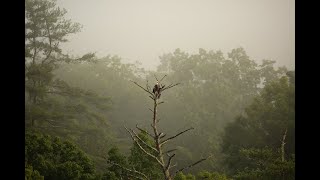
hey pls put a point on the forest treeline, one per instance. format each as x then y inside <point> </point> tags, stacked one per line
<point>242,111</point>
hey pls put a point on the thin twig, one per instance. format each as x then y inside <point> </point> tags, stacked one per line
<point>187,167</point>
<point>162,136</point>
<point>147,85</point>
<point>162,78</point>
<point>163,142</point>
<point>169,161</point>
<point>152,97</point>
<point>156,77</point>
<point>170,150</point>
<point>145,131</point>
<point>170,86</point>
<point>160,102</point>
<point>144,142</point>
<point>173,165</point>
<point>143,148</point>
<point>142,87</point>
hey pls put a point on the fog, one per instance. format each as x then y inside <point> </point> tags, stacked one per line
<point>215,96</point>
<point>142,30</point>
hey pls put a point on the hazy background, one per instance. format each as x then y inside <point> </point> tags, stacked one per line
<point>142,30</point>
<point>239,111</point>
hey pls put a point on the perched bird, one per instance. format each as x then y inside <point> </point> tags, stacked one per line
<point>157,89</point>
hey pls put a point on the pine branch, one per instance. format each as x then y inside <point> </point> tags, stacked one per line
<point>50,42</point>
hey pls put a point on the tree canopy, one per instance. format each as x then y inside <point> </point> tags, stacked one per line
<point>269,118</point>
<point>56,159</point>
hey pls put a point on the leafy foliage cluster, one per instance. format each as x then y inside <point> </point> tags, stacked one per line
<point>55,159</point>
<point>263,126</point>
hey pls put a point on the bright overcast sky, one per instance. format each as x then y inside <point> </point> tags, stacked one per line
<point>145,29</point>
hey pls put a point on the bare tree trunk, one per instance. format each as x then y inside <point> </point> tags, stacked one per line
<point>283,150</point>
<point>282,146</point>
<point>158,137</point>
<point>34,102</point>
<point>157,140</point>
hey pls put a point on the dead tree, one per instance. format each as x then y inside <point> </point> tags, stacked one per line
<point>282,145</point>
<point>283,149</point>
<point>159,137</point>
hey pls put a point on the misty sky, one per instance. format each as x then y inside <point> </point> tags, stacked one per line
<point>145,29</point>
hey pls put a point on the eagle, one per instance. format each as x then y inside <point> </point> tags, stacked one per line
<point>156,90</point>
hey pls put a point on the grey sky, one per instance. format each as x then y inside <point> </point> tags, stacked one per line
<point>145,29</point>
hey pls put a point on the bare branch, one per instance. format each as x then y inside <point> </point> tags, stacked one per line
<point>143,148</point>
<point>169,161</point>
<point>173,165</point>
<point>151,97</point>
<point>130,170</point>
<point>144,142</point>
<point>282,145</point>
<point>162,78</point>
<point>163,142</point>
<point>187,167</point>
<point>151,110</point>
<point>156,77</point>
<point>147,86</point>
<point>160,102</point>
<point>170,150</point>
<point>145,131</point>
<point>170,86</point>
<point>162,136</point>
<point>142,87</point>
